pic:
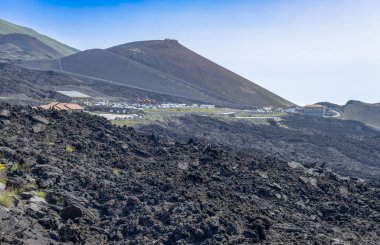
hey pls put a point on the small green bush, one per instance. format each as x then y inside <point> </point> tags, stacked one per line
<point>116,171</point>
<point>41,194</point>
<point>2,167</point>
<point>3,180</point>
<point>69,149</point>
<point>14,167</point>
<point>20,190</point>
<point>6,200</point>
<point>30,186</point>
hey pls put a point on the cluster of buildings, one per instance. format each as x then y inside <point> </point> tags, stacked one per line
<point>184,106</point>
<point>314,110</point>
<point>67,101</point>
<point>125,108</point>
<point>76,101</point>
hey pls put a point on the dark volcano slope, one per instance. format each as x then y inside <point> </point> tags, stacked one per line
<point>28,43</point>
<point>111,185</point>
<point>167,68</point>
<point>23,47</point>
<point>172,58</point>
<point>31,87</point>
<point>348,147</point>
<point>106,65</point>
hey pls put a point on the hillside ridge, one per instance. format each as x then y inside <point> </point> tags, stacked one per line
<point>9,28</point>
<point>171,57</point>
<point>213,84</point>
<point>17,46</point>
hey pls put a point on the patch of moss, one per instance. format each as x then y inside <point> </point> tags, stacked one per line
<point>116,171</point>
<point>3,180</point>
<point>14,167</point>
<point>69,149</point>
<point>6,200</point>
<point>2,167</point>
<point>41,194</point>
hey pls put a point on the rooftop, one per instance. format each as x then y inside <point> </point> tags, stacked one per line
<point>73,94</point>
<point>62,106</point>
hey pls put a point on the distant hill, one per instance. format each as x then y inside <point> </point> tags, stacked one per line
<point>167,68</point>
<point>10,28</point>
<point>24,47</point>
<point>362,112</point>
<point>31,87</point>
<point>333,106</point>
<point>170,57</point>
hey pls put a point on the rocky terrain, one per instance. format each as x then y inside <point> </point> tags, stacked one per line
<point>347,147</point>
<point>76,179</point>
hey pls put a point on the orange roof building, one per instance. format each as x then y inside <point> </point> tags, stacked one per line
<point>62,107</point>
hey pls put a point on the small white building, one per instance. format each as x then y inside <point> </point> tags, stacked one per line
<point>314,110</point>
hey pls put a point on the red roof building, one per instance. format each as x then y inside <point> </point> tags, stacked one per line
<point>62,107</point>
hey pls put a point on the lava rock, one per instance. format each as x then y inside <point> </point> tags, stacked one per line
<point>41,120</point>
<point>71,212</point>
<point>5,113</point>
<point>41,159</point>
<point>27,195</point>
<point>38,128</point>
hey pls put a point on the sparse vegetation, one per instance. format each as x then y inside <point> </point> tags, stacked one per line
<point>69,149</point>
<point>30,186</point>
<point>15,191</point>
<point>2,168</point>
<point>59,200</point>
<point>6,200</point>
<point>116,171</point>
<point>41,194</point>
<point>20,190</point>
<point>15,167</point>
<point>3,180</point>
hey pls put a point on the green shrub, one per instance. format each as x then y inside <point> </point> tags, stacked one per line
<point>6,200</point>
<point>14,167</point>
<point>30,186</point>
<point>2,167</point>
<point>3,180</point>
<point>20,190</point>
<point>41,194</point>
<point>69,149</point>
<point>116,171</point>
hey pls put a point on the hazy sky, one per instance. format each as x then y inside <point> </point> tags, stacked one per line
<point>303,50</point>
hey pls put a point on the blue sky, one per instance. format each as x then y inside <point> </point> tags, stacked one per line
<point>305,51</point>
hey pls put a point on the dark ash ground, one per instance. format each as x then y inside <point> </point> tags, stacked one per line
<point>122,186</point>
